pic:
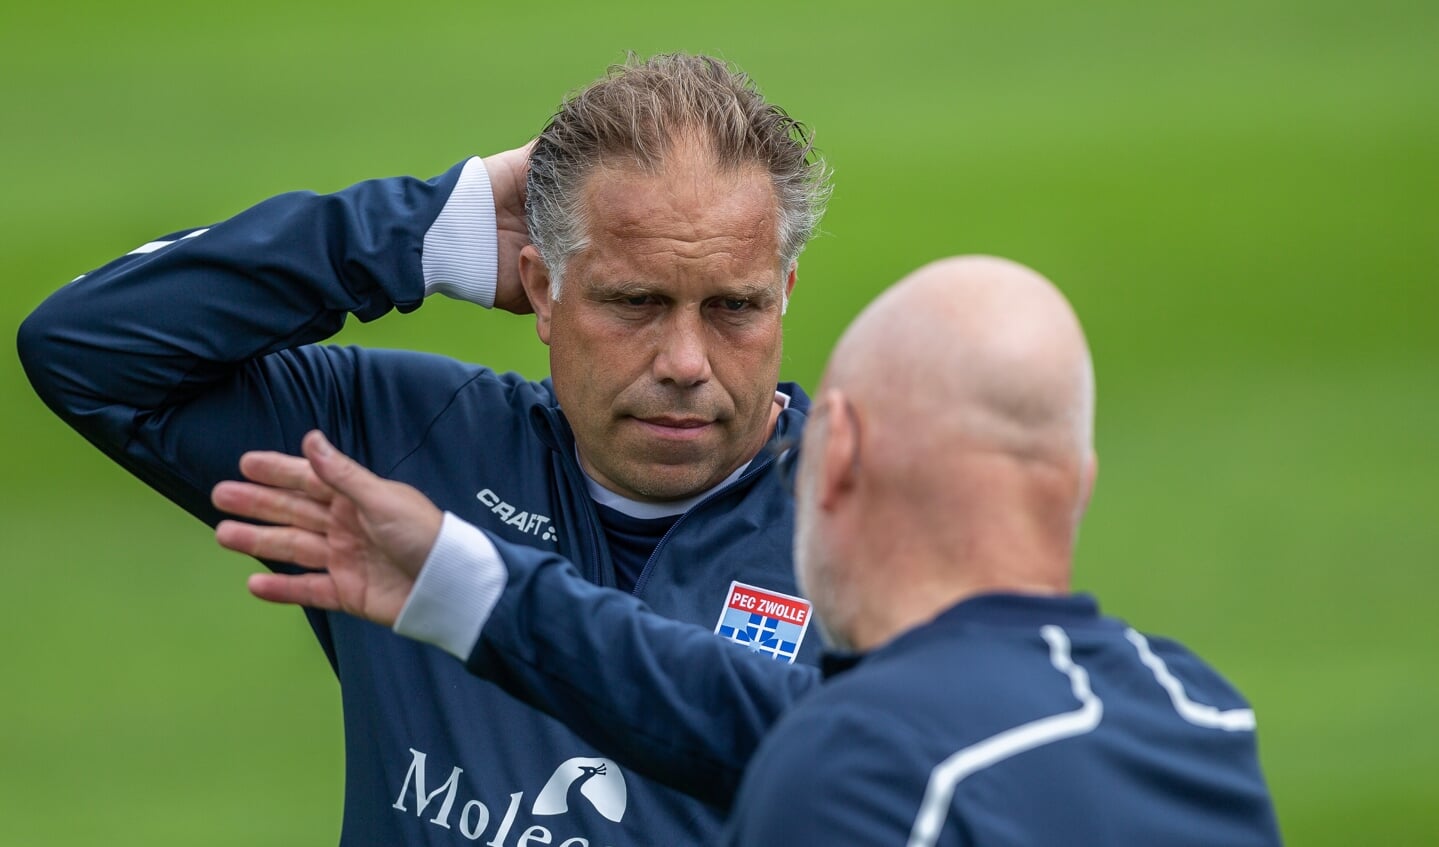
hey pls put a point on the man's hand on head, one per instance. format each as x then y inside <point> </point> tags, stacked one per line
<point>507,172</point>
<point>361,539</point>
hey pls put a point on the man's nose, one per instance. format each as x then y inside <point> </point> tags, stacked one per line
<point>683,354</point>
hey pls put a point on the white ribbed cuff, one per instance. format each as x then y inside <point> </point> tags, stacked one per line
<point>458,588</point>
<point>461,250</point>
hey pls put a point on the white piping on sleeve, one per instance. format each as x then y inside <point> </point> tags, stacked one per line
<point>1199,714</point>
<point>947,775</point>
<point>152,246</point>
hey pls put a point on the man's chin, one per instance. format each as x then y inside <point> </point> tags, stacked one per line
<point>661,481</point>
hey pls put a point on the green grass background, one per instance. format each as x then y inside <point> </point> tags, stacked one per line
<point>1239,197</point>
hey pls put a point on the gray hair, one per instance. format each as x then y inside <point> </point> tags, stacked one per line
<point>636,112</point>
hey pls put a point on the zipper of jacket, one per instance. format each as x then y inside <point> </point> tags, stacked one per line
<point>750,473</point>
<point>590,542</point>
<point>587,549</point>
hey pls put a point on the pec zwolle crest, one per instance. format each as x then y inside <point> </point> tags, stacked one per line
<point>767,622</point>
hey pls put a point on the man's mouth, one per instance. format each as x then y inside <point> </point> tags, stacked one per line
<point>676,427</point>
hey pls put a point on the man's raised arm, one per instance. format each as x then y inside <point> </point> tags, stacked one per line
<point>668,699</point>
<point>178,356</point>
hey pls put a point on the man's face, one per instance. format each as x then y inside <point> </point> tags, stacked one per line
<point>665,342</point>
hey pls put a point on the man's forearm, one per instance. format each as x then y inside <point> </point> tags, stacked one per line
<point>157,322</point>
<point>666,698</point>
<point>162,357</point>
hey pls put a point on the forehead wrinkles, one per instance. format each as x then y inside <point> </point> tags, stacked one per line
<point>689,209</point>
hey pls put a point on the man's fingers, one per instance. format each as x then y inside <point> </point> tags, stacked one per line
<point>275,543</point>
<point>336,470</point>
<point>272,505</point>
<point>316,590</point>
<point>280,470</point>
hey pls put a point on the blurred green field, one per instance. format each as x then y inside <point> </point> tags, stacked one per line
<point>1242,201</point>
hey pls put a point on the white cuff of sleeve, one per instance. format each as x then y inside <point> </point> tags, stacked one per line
<point>461,251</point>
<point>458,588</point>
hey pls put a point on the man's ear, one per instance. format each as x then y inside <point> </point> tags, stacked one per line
<point>839,472</point>
<point>535,277</point>
<point>789,285</point>
<point>1089,474</point>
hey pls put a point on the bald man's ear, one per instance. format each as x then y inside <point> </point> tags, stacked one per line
<point>535,277</point>
<point>839,470</point>
<point>1087,478</point>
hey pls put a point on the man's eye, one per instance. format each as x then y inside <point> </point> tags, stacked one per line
<point>735,304</point>
<point>637,300</point>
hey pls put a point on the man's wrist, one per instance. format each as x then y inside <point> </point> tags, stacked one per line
<point>461,248</point>
<point>457,589</point>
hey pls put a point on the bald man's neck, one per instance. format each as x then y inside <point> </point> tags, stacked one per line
<point>997,524</point>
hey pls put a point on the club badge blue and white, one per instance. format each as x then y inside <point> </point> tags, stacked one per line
<point>767,622</point>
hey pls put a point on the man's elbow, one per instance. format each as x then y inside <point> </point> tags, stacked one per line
<point>42,345</point>
<point>33,342</point>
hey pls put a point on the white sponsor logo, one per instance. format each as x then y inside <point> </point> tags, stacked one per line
<point>599,781</point>
<point>533,523</point>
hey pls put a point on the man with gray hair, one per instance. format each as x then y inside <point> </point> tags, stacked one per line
<point>667,204</point>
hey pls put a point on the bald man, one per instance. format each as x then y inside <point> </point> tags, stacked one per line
<point>971,698</point>
<point>953,444</point>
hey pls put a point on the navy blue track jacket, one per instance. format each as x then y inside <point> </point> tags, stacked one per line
<point>1008,721</point>
<point>1013,721</point>
<point>193,349</point>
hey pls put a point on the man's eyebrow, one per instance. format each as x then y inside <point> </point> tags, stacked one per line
<point>756,290</point>
<point>753,290</point>
<point>620,289</point>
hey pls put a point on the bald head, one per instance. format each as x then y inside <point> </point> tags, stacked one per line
<point>951,449</point>
<point>972,351</point>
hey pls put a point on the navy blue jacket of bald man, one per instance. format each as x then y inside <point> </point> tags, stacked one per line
<point>1007,720</point>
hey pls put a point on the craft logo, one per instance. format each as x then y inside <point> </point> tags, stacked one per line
<point>766,622</point>
<point>532,523</point>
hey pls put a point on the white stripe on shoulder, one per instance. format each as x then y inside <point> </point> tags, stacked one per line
<point>152,246</point>
<point>1233,720</point>
<point>947,775</point>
